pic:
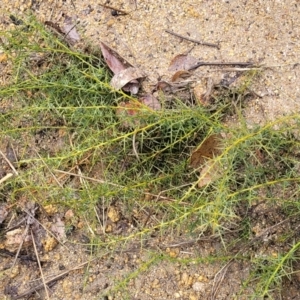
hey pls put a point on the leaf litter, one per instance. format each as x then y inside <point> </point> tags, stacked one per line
<point>126,78</point>
<point>203,159</point>
<point>182,62</point>
<point>125,75</point>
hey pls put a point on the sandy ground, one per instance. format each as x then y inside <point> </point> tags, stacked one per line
<point>266,32</point>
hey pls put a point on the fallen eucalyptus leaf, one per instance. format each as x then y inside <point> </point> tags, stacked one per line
<point>210,173</point>
<point>126,76</point>
<point>113,60</point>
<point>182,62</point>
<point>208,149</point>
<point>182,74</point>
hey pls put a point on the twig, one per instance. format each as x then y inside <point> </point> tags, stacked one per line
<point>134,147</point>
<point>57,181</point>
<point>192,40</point>
<point>20,245</point>
<point>219,277</point>
<point>7,176</point>
<point>216,284</point>
<point>39,286</point>
<point>10,164</point>
<point>158,197</point>
<point>238,69</point>
<point>47,230</point>
<point>115,9</point>
<point>204,63</point>
<point>90,178</point>
<point>40,267</point>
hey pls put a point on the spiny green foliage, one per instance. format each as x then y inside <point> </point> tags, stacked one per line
<point>62,97</point>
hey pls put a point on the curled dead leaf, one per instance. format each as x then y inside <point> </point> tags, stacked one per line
<point>113,59</point>
<point>210,173</point>
<point>209,148</point>
<point>132,87</point>
<point>162,86</point>
<point>182,62</point>
<point>126,76</point>
<point>180,75</point>
<point>200,94</point>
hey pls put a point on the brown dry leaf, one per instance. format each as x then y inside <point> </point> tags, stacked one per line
<point>208,149</point>
<point>151,101</point>
<point>162,86</point>
<point>200,93</point>
<point>58,229</point>
<point>125,75</point>
<point>127,113</point>
<point>113,59</point>
<point>54,26</point>
<point>70,31</point>
<point>132,87</point>
<point>210,173</point>
<point>126,79</point>
<point>182,62</point>
<point>180,75</point>
<point>131,113</point>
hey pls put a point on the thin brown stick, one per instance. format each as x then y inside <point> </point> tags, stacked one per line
<point>192,40</point>
<point>56,277</point>
<point>158,197</point>
<point>20,246</point>
<point>47,230</point>
<point>204,63</point>
<point>40,267</point>
<point>113,8</point>
<point>8,161</point>
<point>90,178</point>
<point>54,177</point>
<point>219,277</point>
